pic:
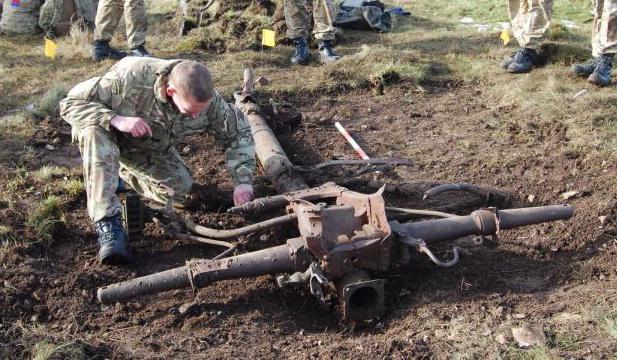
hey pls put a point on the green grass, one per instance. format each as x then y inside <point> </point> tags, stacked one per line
<point>46,350</point>
<point>46,218</point>
<point>73,187</point>
<point>49,172</point>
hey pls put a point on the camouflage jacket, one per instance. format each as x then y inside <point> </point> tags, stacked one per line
<point>136,87</point>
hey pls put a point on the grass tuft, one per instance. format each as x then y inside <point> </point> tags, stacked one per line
<point>49,172</point>
<point>46,218</point>
<point>48,106</point>
<point>74,187</point>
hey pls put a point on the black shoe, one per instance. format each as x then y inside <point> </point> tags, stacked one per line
<point>114,247</point>
<point>585,68</point>
<point>102,51</point>
<point>326,52</point>
<point>140,51</point>
<point>523,61</point>
<point>507,61</point>
<point>601,75</point>
<point>301,56</point>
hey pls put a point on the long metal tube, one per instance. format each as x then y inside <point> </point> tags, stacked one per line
<point>481,222</point>
<point>232,233</point>
<point>200,273</point>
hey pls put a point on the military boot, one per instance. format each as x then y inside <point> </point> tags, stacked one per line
<point>140,51</point>
<point>114,247</point>
<point>102,51</point>
<point>601,75</point>
<point>326,52</point>
<point>523,61</point>
<point>301,56</point>
<point>585,68</point>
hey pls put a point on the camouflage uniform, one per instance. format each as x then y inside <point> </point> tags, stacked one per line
<point>108,15</point>
<point>136,87</point>
<point>604,35</point>
<point>298,19</point>
<point>530,21</point>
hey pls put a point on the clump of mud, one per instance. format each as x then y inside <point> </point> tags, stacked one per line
<point>230,25</point>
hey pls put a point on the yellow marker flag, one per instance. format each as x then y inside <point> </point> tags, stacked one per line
<point>268,38</point>
<point>50,48</point>
<point>505,37</point>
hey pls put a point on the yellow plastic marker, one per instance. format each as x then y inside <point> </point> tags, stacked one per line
<point>505,37</point>
<point>50,48</point>
<point>268,38</point>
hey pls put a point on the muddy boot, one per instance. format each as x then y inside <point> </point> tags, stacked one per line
<point>523,61</point>
<point>585,68</point>
<point>601,75</point>
<point>326,52</point>
<point>301,56</point>
<point>114,247</point>
<point>102,51</point>
<point>140,51</point>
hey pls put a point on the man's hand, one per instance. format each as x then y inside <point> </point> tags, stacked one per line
<point>243,193</point>
<point>136,126</point>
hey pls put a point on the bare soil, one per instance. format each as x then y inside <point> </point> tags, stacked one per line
<point>452,135</point>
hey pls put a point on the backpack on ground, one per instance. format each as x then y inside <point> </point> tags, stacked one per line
<point>57,16</point>
<point>20,17</point>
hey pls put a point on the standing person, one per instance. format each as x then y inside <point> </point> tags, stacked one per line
<point>108,15</point>
<point>530,21</point>
<point>603,43</point>
<point>128,122</point>
<point>298,21</point>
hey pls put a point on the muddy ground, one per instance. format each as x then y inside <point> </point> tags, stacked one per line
<point>535,275</point>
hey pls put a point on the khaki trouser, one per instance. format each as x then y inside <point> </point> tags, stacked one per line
<point>108,15</point>
<point>103,163</point>
<point>530,20</point>
<point>298,19</point>
<point>604,34</point>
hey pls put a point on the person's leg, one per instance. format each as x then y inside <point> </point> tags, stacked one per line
<point>100,155</point>
<point>604,41</point>
<point>323,17</point>
<point>298,22</point>
<point>107,17</point>
<point>530,21</point>
<point>162,170</point>
<point>136,26</point>
<point>588,67</point>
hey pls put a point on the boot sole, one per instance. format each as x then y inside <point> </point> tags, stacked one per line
<point>110,257</point>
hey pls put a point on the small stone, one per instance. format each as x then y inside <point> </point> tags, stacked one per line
<point>50,147</point>
<point>531,198</point>
<point>519,316</point>
<point>301,332</point>
<point>186,149</point>
<point>571,194</point>
<point>602,219</point>
<point>188,309</point>
<point>501,339</point>
<point>527,336</point>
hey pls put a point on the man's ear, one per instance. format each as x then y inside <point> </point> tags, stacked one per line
<point>170,91</point>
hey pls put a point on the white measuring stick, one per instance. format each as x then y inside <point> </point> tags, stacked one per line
<point>351,141</point>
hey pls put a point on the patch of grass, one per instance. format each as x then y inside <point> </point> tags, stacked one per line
<point>46,350</point>
<point>49,172</point>
<point>48,106</point>
<point>46,218</point>
<point>74,187</point>
<point>568,342</point>
<point>533,353</point>
<point>19,124</point>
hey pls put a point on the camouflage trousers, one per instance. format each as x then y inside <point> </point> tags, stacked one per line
<point>604,33</point>
<point>530,20</point>
<point>298,19</point>
<point>108,15</point>
<point>104,162</point>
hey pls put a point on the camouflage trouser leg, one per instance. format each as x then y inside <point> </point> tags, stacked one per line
<point>167,169</point>
<point>136,22</point>
<point>530,20</point>
<point>108,15</point>
<point>100,155</point>
<point>604,35</point>
<point>298,19</point>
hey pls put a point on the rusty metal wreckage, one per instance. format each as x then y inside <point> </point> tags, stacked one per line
<point>345,238</point>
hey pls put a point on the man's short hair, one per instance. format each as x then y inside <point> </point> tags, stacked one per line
<point>193,79</point>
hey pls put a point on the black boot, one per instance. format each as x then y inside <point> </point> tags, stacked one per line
<point>601,75</point>
<point>301,56</point>
<point>326,52</point>
<point>585,68</point>
<point>102,51</point>
<point>507,61</point>
<point>114,247</point>
<point>523,61</point>
<point>140,51</point>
